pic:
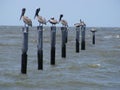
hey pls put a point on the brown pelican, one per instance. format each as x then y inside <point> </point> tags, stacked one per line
<point>53,21</point>
<point>77,25</point>
<point>80,24</point>
<point>41,20</point>
<point>26,20</point>
<point>63,22</point>
<point>93,30</point>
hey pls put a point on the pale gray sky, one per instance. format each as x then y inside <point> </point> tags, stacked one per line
<point>104,13</point>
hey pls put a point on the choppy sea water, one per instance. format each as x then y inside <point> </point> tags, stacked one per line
<point>96,68</point>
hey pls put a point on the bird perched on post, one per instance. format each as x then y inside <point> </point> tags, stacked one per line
<point>40,19</point>
<point>78,24</point>
<point>63,22</point>
<point>53,21</point>
<point>26,20</point>
<point>82,23</point>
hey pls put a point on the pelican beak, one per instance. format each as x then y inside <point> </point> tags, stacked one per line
<point>36,13</point>
<point>60,17</point>
<point>23,12</point>
<point>21,16</point>
<point>34,16</point>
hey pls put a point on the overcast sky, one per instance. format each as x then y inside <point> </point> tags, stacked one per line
<point>105,13</point>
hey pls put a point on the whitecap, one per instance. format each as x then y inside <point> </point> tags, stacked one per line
<point>94,65</point>
<point>117,36</point>
<point>108,37</point>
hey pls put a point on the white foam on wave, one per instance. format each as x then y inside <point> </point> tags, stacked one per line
<point>111,36</point>
<point>108,37</point>
<point>94,65</point>
<point>117,36</point>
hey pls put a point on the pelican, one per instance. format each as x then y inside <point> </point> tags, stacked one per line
<point>41,20</point>
<point>80,24</point>
<point>53,21</point>
<point>63,22</point>
<point>26,20</point>
<point>93,30</point>
<point>77,25</point>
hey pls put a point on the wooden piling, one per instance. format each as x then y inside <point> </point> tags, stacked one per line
<point>64,37</point>
<point>40,47</point>
<point>83,37</point>
<point>77,38</point>
<point>24,51</point>
<point>93,35</point>
<point>53,42</point>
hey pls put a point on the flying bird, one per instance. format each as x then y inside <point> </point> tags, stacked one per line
<point>26,20</point>
<point>40,19</point>
<point>63,22</point>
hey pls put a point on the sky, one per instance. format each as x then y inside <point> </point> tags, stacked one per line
<point>95,13</point>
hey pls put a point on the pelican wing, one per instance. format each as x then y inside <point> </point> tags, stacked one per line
<point>77,24</point>
<point>27,21</point>
<point>44,21</point>
<point>64,22</point>
<point>53,21</point>
<point>41,20</point>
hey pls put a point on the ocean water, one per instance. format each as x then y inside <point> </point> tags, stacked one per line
<point>96,68</point>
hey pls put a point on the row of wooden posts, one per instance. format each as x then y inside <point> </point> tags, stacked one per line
<point>53,42</point>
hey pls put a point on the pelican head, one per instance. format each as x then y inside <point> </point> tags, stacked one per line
<point>36,13</point>
<point>52,18</point>
<point>80,20</point>
<point>61,15</point>
<point>23,12</point>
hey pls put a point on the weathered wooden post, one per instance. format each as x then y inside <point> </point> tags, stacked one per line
<point>24,51</point>
<point>53,42</point>
<point>77,38</point>
<point>83,28</point>
<point>93,35</point>
<point>64,36</point>
<point>40,47</point>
